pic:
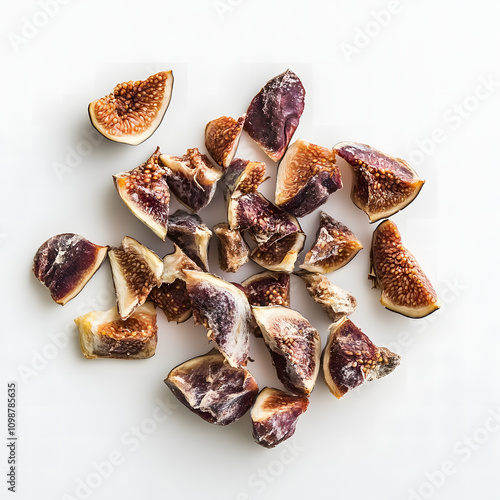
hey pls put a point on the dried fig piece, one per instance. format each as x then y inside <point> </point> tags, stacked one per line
<point>335,246</point>
<point>382,185</point>
<point>268,289</point>
<point>233,249</point>
<point>192,178</point>
<point>209,387</point>
<point>136,270</point>
<point>274,113</point>
<point>242,177</point>
<point>145,192</point>
<point>351,358</point>
<point>307,176</point>
<point>222,137</point>
<point>274,416</point>
<point>295,346</point>
<point>405,287</point>
<point>134,110</point>
<point>65,263</point>
<point>104,335</point>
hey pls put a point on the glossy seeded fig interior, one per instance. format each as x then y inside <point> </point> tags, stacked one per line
<point>268,288</point>
<point>242,177</point>
<point>233,249</point>
<point>221,138</point>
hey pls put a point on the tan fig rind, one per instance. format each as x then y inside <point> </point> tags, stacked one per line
<point>233,249</point>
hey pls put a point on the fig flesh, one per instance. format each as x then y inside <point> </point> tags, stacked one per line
<point>382,184</point>
<point>242,177</point>
<point>233,249</point>
<point>221,139</point>
<point>405,287</point>
<point>268,289</point>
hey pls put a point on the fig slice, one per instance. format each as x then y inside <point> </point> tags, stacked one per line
<point>104,335</point>
<point>233,249</point>
<point>145,192</point>
<point>136,270</point>
<point>192,178</point>
<point>295,346</point>
<point>274,113</point>
<point>307,176</point>
<point>224,310</point>
<point>65,263</point>
<point>213,390</point>
<point>274,416</point>
<point>382,184</point>
<point>134,110</point>
<point>335,246</point>
<point>268,289</point>
<point>222,136</point>
<point>190,233</point>
<point>242,177</point>
<point>351,358</point>
<point>405,287</point>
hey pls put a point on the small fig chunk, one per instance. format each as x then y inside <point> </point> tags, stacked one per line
<point>242,177</point>
<point>233,249</point>
<point>307,176</point>
<point>351,358</point>
<point>268,289</point>
<point>382,185</point>
<point>65,263</point>
<point>405,287</point>
<point>221,139</point>
<point>104,335</point>
<point>274,113</point>
<point>335,246</point>
<point>134,110</point>
<point>209,387</point>
<point>274,416</point>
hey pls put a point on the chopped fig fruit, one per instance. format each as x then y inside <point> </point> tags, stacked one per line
<point>192,178</point>
<point>136,270</point>
<point>268,289</point>
<point>145,192</point>
<point>233,249</point>
<point>274,416</point>
<point>295,346</point>
<point>307,176</point>
<point>242,177</point>
<point>134,110</point>
<point>335,246</point>
<point>104,335</point>
<point>351,358</point>
<point>221,139</point>
<point>382,185</point>
<point>209,387</point>
<point>405,287</point>
<point>192,235</point>
<point>65,263</point>
<point>274,113</point>
<point>337,303</point>
<point>224,310</point>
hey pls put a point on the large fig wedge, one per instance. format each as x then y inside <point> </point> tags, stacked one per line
<point>233,249</point>
<point>268,289</point>
<point>209,387</point>
<point>221,139</point>
<point>405,287</point>
<point>382,184</point>
<point>242,177</point>
<point>65,263</point>
<point>351,358</point>
<point>274,113</point>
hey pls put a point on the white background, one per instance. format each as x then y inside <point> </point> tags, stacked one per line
<point>409,81</point>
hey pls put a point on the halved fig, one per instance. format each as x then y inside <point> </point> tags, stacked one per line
<point>233,249</point>
<point>210,388</point>
<point>224,310</point>
<point>274,113</point>
<point>136,270</point>
<point>134,110</point>
<point>405,287</point>
<point>268,289</point>
<point>192,235</point>
<point>104,335</point>
<point>295,346</point>
<point>274,416</point>
<point>335,246</point>
<point>242,177</point>
<point>221,139</point>
<point>65,263</point>
<point>382,184</point>
<point>351,358</point>
<point>145,192</point>
<point>307,176</point>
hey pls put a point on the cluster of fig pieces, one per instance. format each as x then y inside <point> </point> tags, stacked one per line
<point>217,386</point>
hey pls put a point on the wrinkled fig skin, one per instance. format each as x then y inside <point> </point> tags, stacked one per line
<point>382,185</point>
<point>274,113</point>
<point>242,177</point>
<point>350,358</point>
<point>221,139</point>
<point>274,416</point>
<point>65,263</point>
<point>405,287</point>
<point>210,388</point>
<point>233,249</point>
